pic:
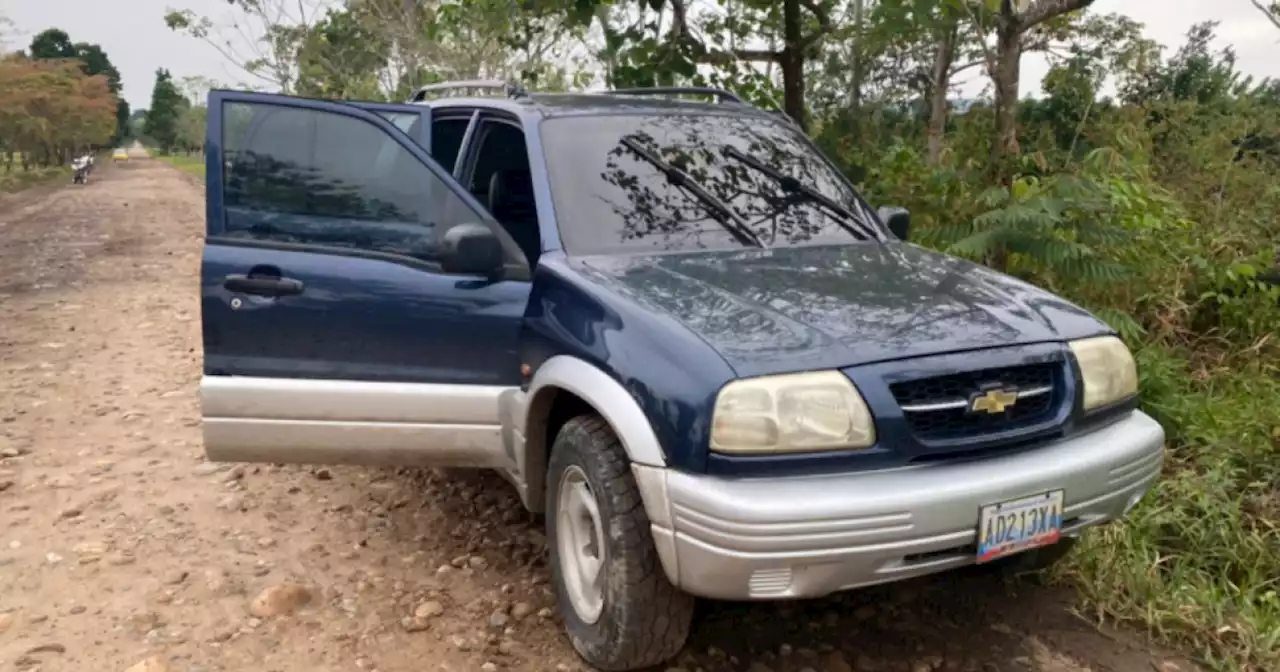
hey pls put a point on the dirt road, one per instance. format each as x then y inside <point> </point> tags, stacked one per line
<point>120,548</point>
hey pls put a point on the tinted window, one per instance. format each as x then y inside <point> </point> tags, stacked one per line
<point>446,140</point>
<point>608,199</point>
<point>501,148</point>
<point>306,176</point>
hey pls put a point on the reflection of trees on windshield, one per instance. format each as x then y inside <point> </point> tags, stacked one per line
<point>632,206</point>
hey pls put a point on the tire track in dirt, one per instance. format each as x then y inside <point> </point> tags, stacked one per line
<point>119,544</point>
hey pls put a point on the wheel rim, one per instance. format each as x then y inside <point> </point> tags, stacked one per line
<point>580,542</point>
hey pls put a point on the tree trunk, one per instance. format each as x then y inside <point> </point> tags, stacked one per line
<point>941,84</point>
<point>1008,63</point>
<point>856,93</point>
<point>792,63</point>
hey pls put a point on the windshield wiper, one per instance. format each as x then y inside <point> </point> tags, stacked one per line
<point>845,217</point>
<point>721,211</point>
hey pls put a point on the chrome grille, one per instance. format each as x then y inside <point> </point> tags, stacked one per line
<point>938,408</point>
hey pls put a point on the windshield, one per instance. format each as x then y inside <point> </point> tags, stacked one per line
<point>610,199</point>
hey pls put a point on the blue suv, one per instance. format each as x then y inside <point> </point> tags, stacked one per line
<point>673,326</point>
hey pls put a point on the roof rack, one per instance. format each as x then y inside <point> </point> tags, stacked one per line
<point>509,89</point>
<point>721,95</point>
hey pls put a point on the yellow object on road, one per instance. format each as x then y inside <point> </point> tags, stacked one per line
<point>120,155</point>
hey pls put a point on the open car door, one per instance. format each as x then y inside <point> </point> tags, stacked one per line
<point>337,326</point>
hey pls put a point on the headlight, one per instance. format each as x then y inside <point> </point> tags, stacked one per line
<point>793,413</point>
<point>1108,369</point>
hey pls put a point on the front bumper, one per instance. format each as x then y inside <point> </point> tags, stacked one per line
<point>762,539</point>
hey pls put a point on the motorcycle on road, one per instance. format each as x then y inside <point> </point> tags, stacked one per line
<point>81,165</point>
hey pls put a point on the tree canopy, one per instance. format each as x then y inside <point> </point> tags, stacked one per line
<point>54,43</point>
<point>164,117</point>
<point>59,98</point>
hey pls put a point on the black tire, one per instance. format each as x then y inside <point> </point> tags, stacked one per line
<point>644,619</point>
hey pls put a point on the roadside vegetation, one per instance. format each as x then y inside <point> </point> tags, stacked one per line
<point>17,180</point>
<point>192,164</point>
<point>57,99</point>
<point>1140,183</point>
<point>173,128</point>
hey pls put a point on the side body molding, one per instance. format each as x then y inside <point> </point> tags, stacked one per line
<point>304,421</point>
<point>307,421</point>
<point>606,395</point>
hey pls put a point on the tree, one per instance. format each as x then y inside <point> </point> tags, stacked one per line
<point>196,88</point>
<point>341,57</point>
<point>167,105</point>
<point>672,38</point>
<point>191,127</point>
<point>262,37</point>
<point>503,39</point>
<point>52,43</point>
<point>1011,20</point>
<point>384,48</point>
<point>56,44</point>
<point>50,108</point>
<point>137,119</point>
<point>925,46</point>
<point>1270,10</point>
<point>96,63</point>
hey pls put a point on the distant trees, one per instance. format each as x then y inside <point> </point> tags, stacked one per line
<point>54,44</point>
<point>177,116</point>
<point>49,109</point>
<point>163,119</point>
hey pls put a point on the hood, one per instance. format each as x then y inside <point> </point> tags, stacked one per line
<point>802,308</point>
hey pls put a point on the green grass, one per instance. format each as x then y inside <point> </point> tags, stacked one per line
<point>1198,562</point>
<point>19,179</point>
<point>193,164</point>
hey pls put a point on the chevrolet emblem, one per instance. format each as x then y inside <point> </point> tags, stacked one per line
<point>993,401</point>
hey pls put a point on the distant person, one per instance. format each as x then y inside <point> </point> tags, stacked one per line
<point>80,165</point>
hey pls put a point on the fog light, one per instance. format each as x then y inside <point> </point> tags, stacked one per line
<point>772,582</point>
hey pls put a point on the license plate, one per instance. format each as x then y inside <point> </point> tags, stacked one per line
<point>1005,528</point>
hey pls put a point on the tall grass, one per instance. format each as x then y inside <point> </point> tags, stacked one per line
<point>1198,562</point>
<point>17,179</point>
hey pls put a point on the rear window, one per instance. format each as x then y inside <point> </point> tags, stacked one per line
<point>610,200</point>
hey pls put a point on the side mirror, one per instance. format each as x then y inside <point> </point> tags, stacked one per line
<point>897,219</point>
<point>470,249</point>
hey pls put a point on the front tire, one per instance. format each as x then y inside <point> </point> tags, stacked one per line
<point>619,609</point>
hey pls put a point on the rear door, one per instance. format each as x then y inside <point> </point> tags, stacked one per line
<point>331,332</point>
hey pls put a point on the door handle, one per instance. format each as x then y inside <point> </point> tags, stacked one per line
<point>259,285</point>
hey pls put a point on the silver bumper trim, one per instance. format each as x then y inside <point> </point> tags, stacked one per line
<point>745,539</point>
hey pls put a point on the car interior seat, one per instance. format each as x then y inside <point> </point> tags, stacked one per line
<point>511,202</point>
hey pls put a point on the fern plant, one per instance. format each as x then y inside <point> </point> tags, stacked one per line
<point>1048,229</point>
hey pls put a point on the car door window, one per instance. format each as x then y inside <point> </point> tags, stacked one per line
<point>314,177</point>
<point>446,140</point>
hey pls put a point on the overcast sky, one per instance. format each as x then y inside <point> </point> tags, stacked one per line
<point>133,34</point>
